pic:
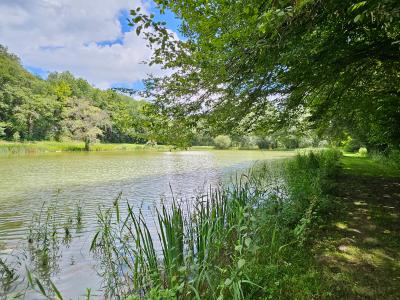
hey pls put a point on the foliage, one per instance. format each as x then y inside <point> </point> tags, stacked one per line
<point>248,142</point>
<point>266,63</point>
<point>244,241</point>
<point>363,152</point>
<point>84,121</point>
<point>390,158</point>
<point>47,146</point>
<point>222,142</point>
<point>351,144</point>
<point>36,109</point>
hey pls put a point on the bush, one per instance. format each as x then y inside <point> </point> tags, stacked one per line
<point>263,143</point>
<point>323,144</point>
<point>363,152</point>
<point>16,137</point>
<point>352,145</point>
<point>306,142</point>
<point>222,142</point>
<point>248,142</point>
<point>289,142</point>
<point>266,143</point>
<point>392,158</point>
<point>2,129</point>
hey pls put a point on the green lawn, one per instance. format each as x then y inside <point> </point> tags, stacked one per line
<point>364,166</point>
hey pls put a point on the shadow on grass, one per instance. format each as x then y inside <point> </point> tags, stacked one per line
<point>360,252</point>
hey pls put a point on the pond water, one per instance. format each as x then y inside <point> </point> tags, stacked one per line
<point>94,180</point>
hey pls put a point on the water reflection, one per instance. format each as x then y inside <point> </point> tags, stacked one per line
<point>93,180</point>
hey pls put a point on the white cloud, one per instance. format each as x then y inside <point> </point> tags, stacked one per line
<point>60,35</point>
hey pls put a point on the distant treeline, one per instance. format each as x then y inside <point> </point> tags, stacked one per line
<point>64,108</point>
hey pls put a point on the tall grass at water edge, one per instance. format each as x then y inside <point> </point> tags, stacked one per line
<point>72,146</point>
<point>247,240</point>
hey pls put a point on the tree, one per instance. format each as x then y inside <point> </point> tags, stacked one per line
<point>166,129</point>
<point>84,121</point>
<point>338,59</point>
<point>39,109</point>
<point>222,142</point>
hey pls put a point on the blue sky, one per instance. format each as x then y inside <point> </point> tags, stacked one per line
<point>91,38</point>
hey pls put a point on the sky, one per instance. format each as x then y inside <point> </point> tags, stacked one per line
<point>89,38</point>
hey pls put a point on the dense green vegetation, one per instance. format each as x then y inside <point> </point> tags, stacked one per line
<point>53,146</point>
<point>63,108</point>
<point>251,75</point>
<point>250,239</point>
<point>283,66</point>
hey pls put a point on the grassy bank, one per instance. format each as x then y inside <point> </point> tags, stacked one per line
<point>250,240</point>
<point>74,146</point>
<point>256,238</point>
<point>46,146</point>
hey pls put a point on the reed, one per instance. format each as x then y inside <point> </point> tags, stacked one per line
<point>71,146</point>
<point>244,240</point>
<point>230,243</point>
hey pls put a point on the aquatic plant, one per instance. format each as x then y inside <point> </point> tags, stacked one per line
<point>231,243</point>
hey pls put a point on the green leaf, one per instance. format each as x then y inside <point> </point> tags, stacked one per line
<point>238,248</point>
<point>56,291</point>
<point>358,18</point>
<point>228,282</point>
<point>41,288</point>
<point>241,262</point>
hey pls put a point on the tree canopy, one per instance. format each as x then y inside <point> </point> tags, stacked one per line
<point>264,64</point>
<point>64,107</point>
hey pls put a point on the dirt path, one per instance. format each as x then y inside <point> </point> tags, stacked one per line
<point>361,249</point>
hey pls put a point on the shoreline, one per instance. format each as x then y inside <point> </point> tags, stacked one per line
<point>54,147</point>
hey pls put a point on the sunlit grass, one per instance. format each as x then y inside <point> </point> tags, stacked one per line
<point>48,146</point>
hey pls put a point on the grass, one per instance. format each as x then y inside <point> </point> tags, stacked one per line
<point>47,146</point>
<point>359,250</point>
<point>353,164</point>
<point>273,233</point>
<point>248,240</point>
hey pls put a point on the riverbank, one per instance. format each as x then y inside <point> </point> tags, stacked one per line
<point>318,226</point>
<point>359,249</point>
<point>248,240</point>
<point>73,146</point>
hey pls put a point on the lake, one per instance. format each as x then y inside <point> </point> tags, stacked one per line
<point>95,180</point>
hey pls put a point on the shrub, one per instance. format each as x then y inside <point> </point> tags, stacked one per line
<point>352,145</point>
<point>266,143</point>
<point>289,142</point>
<point>306,142</point>
<point>248,142</point>
<point>16,137</point>
<point>391,158</point>
<point>263,143</point>
<point>222,142</point>
<point>323,144</point>
<point>2,129</point>
<point>363,152</point>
